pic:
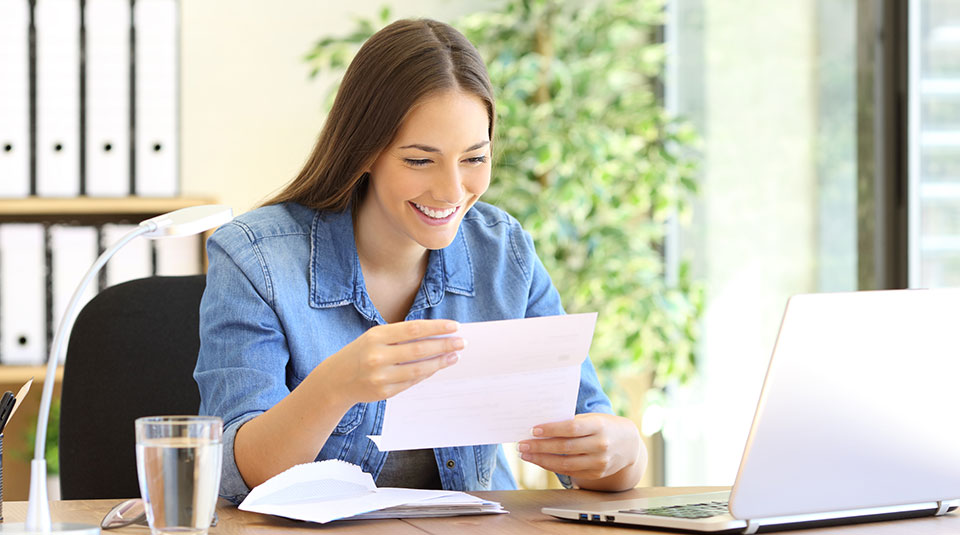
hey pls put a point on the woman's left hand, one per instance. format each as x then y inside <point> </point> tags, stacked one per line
<point>599,451</point>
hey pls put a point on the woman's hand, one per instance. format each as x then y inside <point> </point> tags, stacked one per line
<point>388,359</point>
<point>383,361</point>
<point>599,451</point>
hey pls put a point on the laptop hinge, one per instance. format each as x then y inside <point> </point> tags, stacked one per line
<point>752,527</point>
<point>944,506</point>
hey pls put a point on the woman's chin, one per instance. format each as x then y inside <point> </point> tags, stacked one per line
<point>435,243</point>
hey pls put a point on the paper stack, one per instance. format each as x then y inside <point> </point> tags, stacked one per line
<point>333,490</point>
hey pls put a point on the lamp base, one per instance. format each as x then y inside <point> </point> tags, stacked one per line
<point>57,528</point>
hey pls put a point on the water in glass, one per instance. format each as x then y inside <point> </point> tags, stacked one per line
<point>179,479</point>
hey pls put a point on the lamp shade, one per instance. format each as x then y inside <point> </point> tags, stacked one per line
<point>188,221</point>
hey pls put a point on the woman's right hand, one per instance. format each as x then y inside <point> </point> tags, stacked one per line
<point>388,359</point>
<point>383,361</point>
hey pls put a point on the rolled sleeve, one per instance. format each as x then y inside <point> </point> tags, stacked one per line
<point>232,485</point>
<point>243,354</point>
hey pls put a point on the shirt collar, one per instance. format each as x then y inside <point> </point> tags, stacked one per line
<point>336,278</point>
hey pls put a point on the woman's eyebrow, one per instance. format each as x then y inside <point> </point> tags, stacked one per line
<point>476,146</point>
<point>428,148</point>
<point>424,148</point>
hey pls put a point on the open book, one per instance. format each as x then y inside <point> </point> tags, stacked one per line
<point>332,490</point>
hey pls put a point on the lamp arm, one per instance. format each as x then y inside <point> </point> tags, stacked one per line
<point>38,511</point>
<point>63,333</point>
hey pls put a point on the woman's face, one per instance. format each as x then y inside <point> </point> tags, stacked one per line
<point>433,172</point>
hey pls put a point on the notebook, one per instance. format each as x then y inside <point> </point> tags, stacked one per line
<point>855,423</point>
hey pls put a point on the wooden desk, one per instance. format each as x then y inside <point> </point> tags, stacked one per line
<point>525,517</point>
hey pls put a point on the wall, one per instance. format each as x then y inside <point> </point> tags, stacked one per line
<point>249,114</point>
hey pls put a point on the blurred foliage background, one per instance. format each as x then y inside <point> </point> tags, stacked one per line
<point>52,447</point>
<point>589,161</point>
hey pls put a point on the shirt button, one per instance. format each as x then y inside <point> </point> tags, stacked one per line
<point>451,464</point>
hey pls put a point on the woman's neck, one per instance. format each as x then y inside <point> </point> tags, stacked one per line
<point>384,251</point>
<point>393,266</point>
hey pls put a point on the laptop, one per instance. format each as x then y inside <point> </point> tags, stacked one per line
<point>856,422</point>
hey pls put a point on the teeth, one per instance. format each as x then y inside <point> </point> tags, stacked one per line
<point>434,213</point>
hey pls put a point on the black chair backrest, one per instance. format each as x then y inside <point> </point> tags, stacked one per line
<point>132,353</point>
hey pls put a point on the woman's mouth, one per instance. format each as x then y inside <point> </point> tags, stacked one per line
<point>434,216</point>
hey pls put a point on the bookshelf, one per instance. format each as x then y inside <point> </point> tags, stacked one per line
<point>17,446</point>
<point>17,375</point>
<point>91,209</point>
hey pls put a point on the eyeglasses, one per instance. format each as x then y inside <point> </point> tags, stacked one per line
<point>129,512</point>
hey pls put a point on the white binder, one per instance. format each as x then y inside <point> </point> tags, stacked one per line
<point>74,250</point>
<point>23,299</point>
<point>107,24</point>
<point>179,255</point>
<point>58,97</point>
<point>134,261</point>
<point>156,84</point>
<point>14,98</point>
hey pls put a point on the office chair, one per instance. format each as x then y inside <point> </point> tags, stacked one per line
<point>131,353</point>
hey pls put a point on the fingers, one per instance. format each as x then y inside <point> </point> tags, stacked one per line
<point>586,466</point>
<point>590,457</point>
<point>406,331</point>
<point>413,352</point>
<point>568,445</point>
<point>581,425</point>
<point>565,446</point>
<point>421,369</point>
<point>412,341</point>
<point>588,447</point>
<point>387,359</point>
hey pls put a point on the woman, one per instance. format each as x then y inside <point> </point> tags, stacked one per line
<point>381,240</point>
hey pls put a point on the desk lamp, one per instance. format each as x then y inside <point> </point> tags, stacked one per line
<point>183,222</point>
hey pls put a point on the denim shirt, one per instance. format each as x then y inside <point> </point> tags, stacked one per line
<point>285,291</point>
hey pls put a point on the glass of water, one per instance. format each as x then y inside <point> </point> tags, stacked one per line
<point>178,464</point>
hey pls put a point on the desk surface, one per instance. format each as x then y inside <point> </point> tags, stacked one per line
<point>524,517</point>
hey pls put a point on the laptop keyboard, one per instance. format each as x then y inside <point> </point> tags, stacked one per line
<point>690,510</point>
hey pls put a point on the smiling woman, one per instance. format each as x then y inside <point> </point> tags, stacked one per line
<point>425,181</point>
<point>382,240</point>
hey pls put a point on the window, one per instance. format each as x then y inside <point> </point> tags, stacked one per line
<point>934,143</point>
<point>772,89</point>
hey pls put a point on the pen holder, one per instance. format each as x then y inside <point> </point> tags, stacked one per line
<point>1,477</point>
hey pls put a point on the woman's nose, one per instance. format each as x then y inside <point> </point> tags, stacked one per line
<point>449,189</point>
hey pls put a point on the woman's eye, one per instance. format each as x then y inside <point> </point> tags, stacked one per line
<point>477,159</point>
<point>416,162</point>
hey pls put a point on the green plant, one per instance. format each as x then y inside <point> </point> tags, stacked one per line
<point>591,164</point>
<point>52,447</point>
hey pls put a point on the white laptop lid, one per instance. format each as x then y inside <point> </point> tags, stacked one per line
<point>858,408</point>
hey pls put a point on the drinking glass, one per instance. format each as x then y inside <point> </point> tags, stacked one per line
<point>178,464</point>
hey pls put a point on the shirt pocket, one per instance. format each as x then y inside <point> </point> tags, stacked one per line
<point>351,420</point>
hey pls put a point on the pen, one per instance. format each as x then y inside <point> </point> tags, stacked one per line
<point>6,407</point>
<point>22,393</point>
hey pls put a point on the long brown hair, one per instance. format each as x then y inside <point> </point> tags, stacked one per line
<point>393,71</point>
